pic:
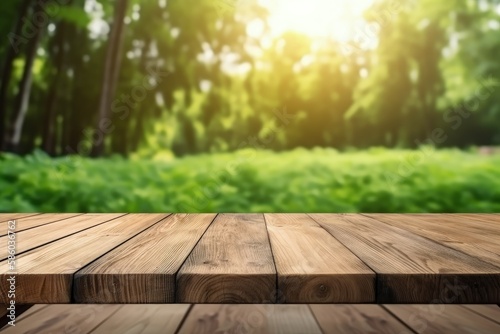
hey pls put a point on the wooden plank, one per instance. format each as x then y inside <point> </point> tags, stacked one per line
<point>466,222</point>
<point>22,312</point>
<point>38,220</point>
<point>144,319</point>
<point>64,319</point>
<point>456,234</point>
<point>286,319</point>
<point>5,217</point>
<point>437,319</point>
<point>413,269</point>
<point>209,318</point>
<point>314,267</point>
<point>143,269</point>
<point>489,217</point>
<point>356,319</point>
<point>38,236</point>
<point>45,274</point>
<point>19,311</point>
<point>232,263</point>
<point>491,312</point>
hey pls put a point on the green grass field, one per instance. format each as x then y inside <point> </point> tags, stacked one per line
<point>320,180</point>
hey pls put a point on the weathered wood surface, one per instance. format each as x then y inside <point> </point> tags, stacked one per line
<point>5,217</point>
<point>31,221</point>
<point>437,319</point>
<point>232,263</point>
<point>472,237</point>
<point>254,258</point>
<point>45,274</point>
<point>44,234</point>
<point>143,269</point>
<point>356,319</point>
<point>258,318</point>
<point>411,268</point>
<point>313,267</point>
<point>143,319</point>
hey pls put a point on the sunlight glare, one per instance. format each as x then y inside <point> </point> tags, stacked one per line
<point>337,19</point>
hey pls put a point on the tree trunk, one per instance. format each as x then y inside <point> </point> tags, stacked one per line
<point>110,76</point>
<point>138,129</point>
<point>49,130</point>
<point>11,54</point>
<point>23,96</point>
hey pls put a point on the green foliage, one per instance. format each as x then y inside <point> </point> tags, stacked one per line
<point>409,67</point>
<point>319,180</point>
<point>74,15</point>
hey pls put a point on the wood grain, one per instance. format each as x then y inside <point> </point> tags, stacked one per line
<point>413,269</point>
<point>19,311</point>
<point>232,318</point>
<point>286,319</point>
<point>38,236</point>
<point>458,233</point>
<point>144,319</point>
<point>438,319</point>
<point>313,267</point>
<point>232,263</point>
<point>22,312</point>
<point>290,258</point>
<point>356,319</point>
<point>37,220</point>
<point>45,274</point>
<point>5,217</point>
<point>143,269</point>
<point>477,224</point>
<point>491,312</point>
<point>63,319</point>
<point>488,217</point>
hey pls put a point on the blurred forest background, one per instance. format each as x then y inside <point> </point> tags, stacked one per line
<point>248,105</point>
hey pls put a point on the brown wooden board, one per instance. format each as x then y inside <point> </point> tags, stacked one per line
<point>45,274</point>
<point>477,224</point>
<point>5,217</point>
<point>62,319</point>
<point>36,220</point>
<point>491,312</point>
<point>413,269</point>
<point>143,269</point>
<point>460,234</point>
<point>232,263</point>
<point>257,318</point>
<point>356,319</point>
<point>44,234</point>
<point>144,319</point>
<point>314,267</point>
<point>438,319</point>
<point>289,319</point>
<point>21,312</point>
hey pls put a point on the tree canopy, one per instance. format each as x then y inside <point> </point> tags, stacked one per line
<point>190,76</point>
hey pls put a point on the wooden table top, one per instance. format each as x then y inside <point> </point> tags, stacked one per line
<point>258,319</point>
<point>252,258</point>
